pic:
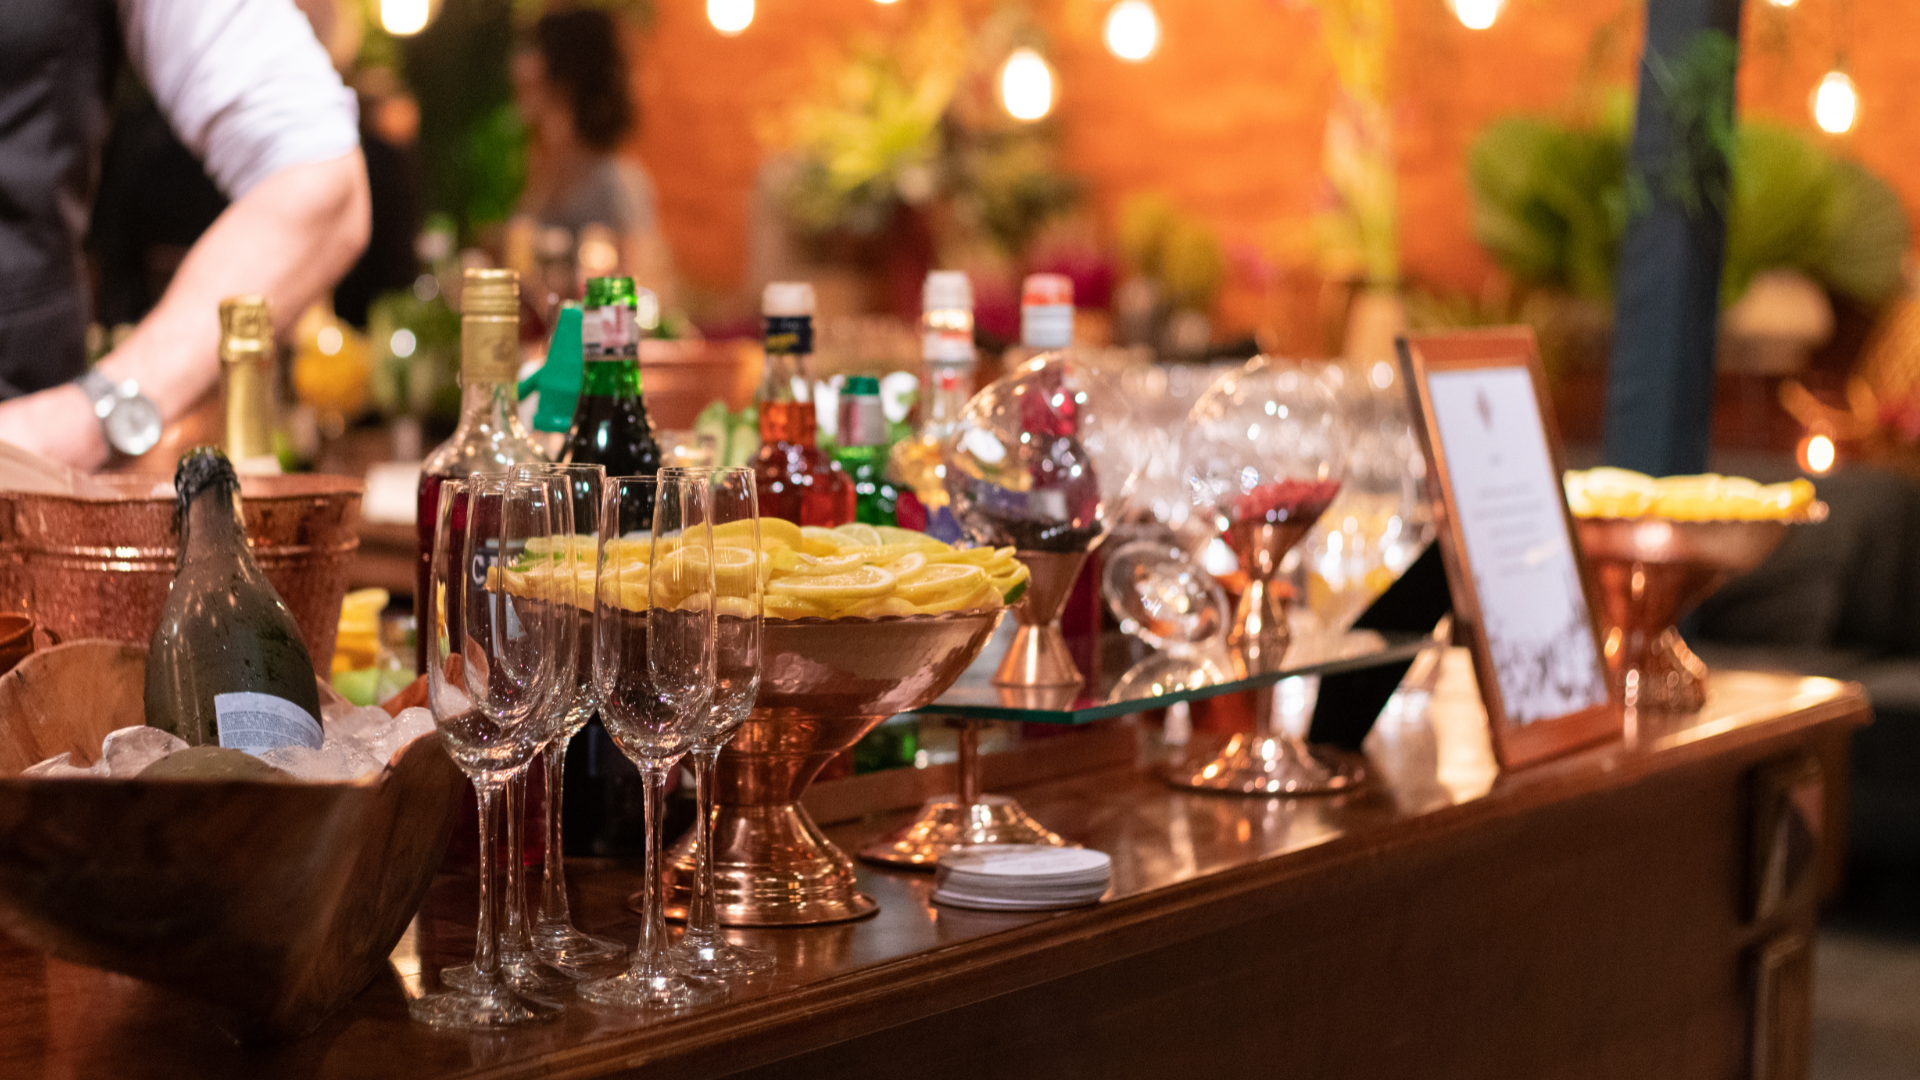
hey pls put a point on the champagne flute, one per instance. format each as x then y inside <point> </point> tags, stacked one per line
<point>486,675</point>
<point>654,615</point>
<point>703,949</point>
<point>528,560</point>
<point>555,937</point>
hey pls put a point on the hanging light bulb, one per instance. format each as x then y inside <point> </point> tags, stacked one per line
<point>730,16</point>
<point>1835,103</point>
<point>1133,30</point>
<point>1026,85</point>
<point>405,18</point>
<point>1477,14</point>
<point>1783,3</point>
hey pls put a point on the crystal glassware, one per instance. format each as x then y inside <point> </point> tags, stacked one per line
<point>654,615</point>
<point>703,950</point>
<point>490,668</point>
<point>1161,595</point>
<point>1263,455</point>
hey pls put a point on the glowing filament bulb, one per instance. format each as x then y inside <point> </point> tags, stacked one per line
<point>1133,30</point>
<point>1835,104</point>
<point>1026,85</point>
<point>1477,14</point>
<point>730,16</point>
<point>404,18</point>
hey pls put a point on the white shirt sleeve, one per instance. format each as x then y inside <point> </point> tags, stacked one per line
<point>244,83</point>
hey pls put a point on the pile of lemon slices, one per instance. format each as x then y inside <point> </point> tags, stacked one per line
<point>854,571</point>
<point>1623,493</point>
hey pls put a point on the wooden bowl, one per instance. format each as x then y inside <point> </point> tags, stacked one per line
<point>277,901</point>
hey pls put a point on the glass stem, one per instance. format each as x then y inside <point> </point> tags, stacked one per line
<point>486,946</point>
<point>703,918</point>
<point>653,922</point>
<point>969,764</point>
<point>515,933</point>
<point>553,898</point>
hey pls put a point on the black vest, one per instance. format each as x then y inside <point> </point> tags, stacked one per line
<point>56,57</point>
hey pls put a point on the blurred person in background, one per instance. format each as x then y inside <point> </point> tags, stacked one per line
<point>573,86</point>
<point>252,94</point>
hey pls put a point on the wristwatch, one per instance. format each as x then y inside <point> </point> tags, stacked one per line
<point>128,418</point>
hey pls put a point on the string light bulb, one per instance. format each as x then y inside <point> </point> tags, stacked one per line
<point>1026,85</point>
<point>1132,30</point>
<point>1817,453</point>
<point>1477,14</point>
<point>405,18</point>
<point>1836,105</point>
<point>1783,3</point>
<point>730,16</point>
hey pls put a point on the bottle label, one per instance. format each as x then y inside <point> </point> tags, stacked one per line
<point>1046,326</point>
<point>862,423</point>
<point>789,335</point>
<point>257,723</point>
<point>947,346</point>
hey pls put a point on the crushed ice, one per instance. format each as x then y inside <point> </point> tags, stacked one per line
<point>356,742</point>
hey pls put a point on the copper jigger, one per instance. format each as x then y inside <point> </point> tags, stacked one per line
<point>1650,572</point>
<point>1038,655</point>
<point>825,683</point>
<point>1266,762</point>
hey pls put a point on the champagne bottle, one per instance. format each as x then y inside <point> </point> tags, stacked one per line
<point>226,666</point>
<point>246,361</point>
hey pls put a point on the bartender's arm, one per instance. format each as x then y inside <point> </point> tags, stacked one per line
<point>248,89</point>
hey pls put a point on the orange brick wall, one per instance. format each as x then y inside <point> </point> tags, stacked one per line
<point>1227,116</point>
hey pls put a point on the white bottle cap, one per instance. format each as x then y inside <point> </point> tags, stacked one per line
<point>945,290</point>
<point>787,298</point>
<point>1046,311</point>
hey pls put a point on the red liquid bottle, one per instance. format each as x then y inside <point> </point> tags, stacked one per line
<point>797,481</point>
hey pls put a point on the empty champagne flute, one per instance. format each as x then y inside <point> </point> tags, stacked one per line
<point>703,950</point>
<point>489,668</point>
<point>654,612</point>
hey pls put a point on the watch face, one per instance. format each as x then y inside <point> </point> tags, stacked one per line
<point>133,427</point>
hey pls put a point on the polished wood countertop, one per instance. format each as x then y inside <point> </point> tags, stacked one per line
<point>1185,864</point>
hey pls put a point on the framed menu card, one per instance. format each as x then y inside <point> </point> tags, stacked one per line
<point>1520,592</point>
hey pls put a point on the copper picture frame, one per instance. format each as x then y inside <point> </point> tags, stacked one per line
<point>1547,694</point>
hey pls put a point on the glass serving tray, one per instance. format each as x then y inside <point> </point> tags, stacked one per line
<point>975,697</point>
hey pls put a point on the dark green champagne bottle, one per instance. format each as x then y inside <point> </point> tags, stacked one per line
<point>610,421</point>
<point>226,666</point>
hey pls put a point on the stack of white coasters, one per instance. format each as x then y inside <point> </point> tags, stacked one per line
<point>1021,877</point>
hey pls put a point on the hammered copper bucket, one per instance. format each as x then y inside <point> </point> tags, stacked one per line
<point>98,567</point>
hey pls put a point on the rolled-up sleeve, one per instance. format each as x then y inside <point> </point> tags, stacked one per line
<point>244,83</point>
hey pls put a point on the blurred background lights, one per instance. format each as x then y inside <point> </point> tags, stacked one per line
<point>1817,454</point>
<point>730,16</point>
<point>1835,104</point>
<point>1133,30</point>
<point>1783,3</point>
<point>1026,85</point>
<point>403,18</point>
<point>1477,14</point>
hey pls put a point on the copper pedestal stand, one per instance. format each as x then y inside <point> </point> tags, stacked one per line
<point>1266,761</point>
<point>1649,573</point>
<point>825,683</point>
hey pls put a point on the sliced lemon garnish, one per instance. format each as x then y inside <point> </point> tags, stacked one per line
<point>782,606</point>
<point>941,581</point>
<point>905,564</point>
<point>879,607</point>
<point>980,556</point>
<point>859,533</point>
<point>785,561</point>
<point>857,584</point>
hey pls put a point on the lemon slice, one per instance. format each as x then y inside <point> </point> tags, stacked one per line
<point>906,564</point>
<point>815,540</point>
<point>895,536</point>
<point>857,584</point>
<point>878,607</point>
<point>862,534</point>
<point>978,598</point>
<point>779,606</point>
<point>941,581</point>
<point>787,561</point>
<point>980,556</point>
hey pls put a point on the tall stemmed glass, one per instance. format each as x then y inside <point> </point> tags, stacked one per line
<point>555,938</point>
<point>489,669</point>
<point>654,612</point>
<point>703,950</point>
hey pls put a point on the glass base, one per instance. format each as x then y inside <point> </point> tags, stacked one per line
<point>576,953</point>
<point>720,959</point>
<point>945,824</point>
<point>493,1008</point>
<point>652,991</point>
<point>1273,765</point>
<point>526,975</point>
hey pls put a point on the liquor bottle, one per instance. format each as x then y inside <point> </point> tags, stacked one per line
<point>1046,317</point>
<point>610,420</point>
<point>490,437</point>
<point>862,453</point>
<point>246,362</point>
<point>226,666</point>
<point>797,481</point>
<point>947,348</point>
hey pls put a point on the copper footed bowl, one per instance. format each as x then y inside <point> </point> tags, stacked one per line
<point>277,902</point>
<point>1650,572</point>
<point>825,683</point>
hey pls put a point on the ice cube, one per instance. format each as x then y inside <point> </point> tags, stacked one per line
<point>62,765</point>
<point>131,749</point>
<point>327,764</point>
<point>408,726</point>
<point>363,723</point>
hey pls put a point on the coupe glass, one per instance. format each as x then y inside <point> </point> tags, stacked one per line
<point>1162,596</point>
<point>703,950</point>
<point>654,615</point>
<point>555,938</point>
<point>490,667</point>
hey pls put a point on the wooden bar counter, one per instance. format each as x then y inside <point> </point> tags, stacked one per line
<point>1593,917</point>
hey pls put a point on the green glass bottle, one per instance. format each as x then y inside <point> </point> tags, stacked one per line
<point>862,452</point>
<point>610,425</point>
<point>226,666</point>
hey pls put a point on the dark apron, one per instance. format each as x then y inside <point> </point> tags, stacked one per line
<point>55,58</point>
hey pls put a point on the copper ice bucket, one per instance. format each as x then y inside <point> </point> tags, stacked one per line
<point>98,567</point>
